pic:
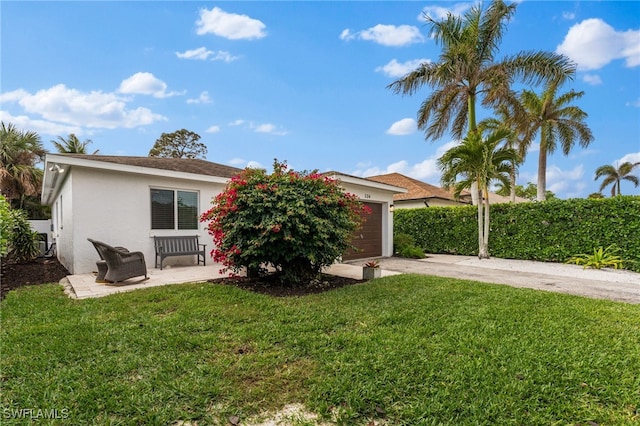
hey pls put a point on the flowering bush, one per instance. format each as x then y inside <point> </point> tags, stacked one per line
<point>295,222</point>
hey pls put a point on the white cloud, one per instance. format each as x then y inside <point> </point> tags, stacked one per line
<point>592,79</point>
<point>559,181</point>
<point>569,16</point>
<point>145,83</point>
<point>593,43</point>
<point>347,35</point>
<point>203,54</point>
<point>13,96</point>
<point>238,122</point>
<point>202,99</point>
<point>269,128</point>
<point>40,126</point>
<point>439,12</point>
<point>635,103</point>
<point>424,170</point>
<point>406,126</point>
<point>213,129</point>
<point>236,161</point>
<point>242,163</point>
<point>387,35</point>
<point>70,107</point>
<point>229,25</point>
<point>632,157</point>
<point>255,165</point>
<point>396,69</point>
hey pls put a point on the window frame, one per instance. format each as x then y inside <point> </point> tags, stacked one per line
<point>177,225</point>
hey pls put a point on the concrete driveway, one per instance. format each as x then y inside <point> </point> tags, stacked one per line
<point>622,286</point>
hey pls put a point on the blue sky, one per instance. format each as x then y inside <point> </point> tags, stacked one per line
<point>298,81</point>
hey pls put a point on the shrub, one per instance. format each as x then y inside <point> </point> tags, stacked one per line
<point>5,226</point>
<point>404,245</point>
<point>549,231</point>
<point>295,222</point>
<point>22,243</point>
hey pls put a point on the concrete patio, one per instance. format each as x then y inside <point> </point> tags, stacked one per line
<point>85,286</point>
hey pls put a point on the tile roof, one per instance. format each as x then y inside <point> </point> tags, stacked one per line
<point>186,165</point>
<point>417,190</point>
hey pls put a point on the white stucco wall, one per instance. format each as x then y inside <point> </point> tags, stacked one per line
<point>115,208</point>
<point>62,216</point>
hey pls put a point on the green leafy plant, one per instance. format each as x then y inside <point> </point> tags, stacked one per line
<point>23,242</point>
<point>601,258</point>
<point>405,246</point>
<point>294,222</point>
<point>5,228</point>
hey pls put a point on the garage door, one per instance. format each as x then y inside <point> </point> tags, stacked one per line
<point>368,239</point>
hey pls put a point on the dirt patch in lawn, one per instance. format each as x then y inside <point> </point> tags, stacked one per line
<point>38,271</point>
<point>271,286</point>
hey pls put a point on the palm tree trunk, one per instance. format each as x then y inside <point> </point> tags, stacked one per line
<point>512,178</point>
<point>480,233</point>
<point>476,200</point>
<point>542,170</point>
<point>484,249</point>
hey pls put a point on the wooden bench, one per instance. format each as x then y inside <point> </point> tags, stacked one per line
<point>179,246</point>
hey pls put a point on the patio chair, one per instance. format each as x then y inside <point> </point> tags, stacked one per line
<point>121,264</point>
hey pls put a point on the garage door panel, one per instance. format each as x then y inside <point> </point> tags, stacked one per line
<point>368,239</point>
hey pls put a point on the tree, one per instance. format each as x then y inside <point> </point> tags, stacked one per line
<point>468,69</point>
<point>530,192</point>
<point>595,195</point>
<point>614,175</point>
<point>510,117</point>
<point>20,151</point>
<point>294,222</point>
<point>72,145</point>
<point>558,122</point>
<point>482,161</point>
<point>179,144</point>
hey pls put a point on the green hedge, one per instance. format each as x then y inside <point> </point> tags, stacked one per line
<point>551,231</point>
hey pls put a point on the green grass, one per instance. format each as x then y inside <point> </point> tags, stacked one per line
<point>424,350</point>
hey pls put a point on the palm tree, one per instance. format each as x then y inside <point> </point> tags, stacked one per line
<point>613,175</point>
<point>72,145</point>
<point>558,122</point>
<point>511,118</point>
<point>480,161</point>
<point>468,69</point>
<point>20,151</point>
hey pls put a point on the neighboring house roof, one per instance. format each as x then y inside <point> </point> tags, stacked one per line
<point>500,199</point>
<point>416,190</point>
<point>356,180</point>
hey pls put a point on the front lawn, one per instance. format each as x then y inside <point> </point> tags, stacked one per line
<point>406,349</point>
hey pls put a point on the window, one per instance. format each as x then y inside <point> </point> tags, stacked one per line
<point>174,209</point>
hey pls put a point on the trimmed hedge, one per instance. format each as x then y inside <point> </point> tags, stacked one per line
<point>551,231</point>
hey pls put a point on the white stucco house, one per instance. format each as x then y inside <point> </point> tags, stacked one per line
<point>126,201</point>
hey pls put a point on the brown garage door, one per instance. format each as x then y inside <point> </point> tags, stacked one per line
<point>368,239</point>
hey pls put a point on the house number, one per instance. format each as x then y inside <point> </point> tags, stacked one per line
<point>367,196</point>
